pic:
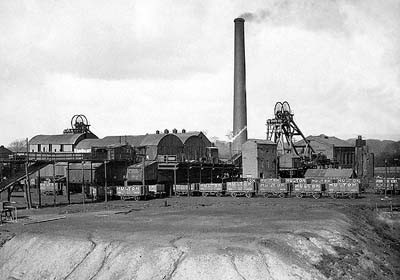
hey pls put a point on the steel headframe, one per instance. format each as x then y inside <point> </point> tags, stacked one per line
<point>283,128</point>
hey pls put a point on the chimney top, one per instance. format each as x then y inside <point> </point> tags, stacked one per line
<point>157,132</point>
<point>175,131</point>
<point>166,131</point>
<point>239,20</point>
<point>183,130</point>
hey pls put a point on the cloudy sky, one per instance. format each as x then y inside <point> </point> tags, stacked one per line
<point>133,67</point>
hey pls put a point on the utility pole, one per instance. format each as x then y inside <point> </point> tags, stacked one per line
<point>28,185</point>
<point>105,181</point>
<point>83,183</point>
<point>386,179</point>
<point>54,184</point>
<point>38,191</point>
<point>175,179</point>
<point>67,180</point>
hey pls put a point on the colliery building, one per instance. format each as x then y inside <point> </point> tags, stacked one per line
<point>338,151</point>
<point>187,146</point>
<point>259,159</point>
<point>58,143</point>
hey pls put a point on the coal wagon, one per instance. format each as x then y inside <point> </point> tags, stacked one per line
<point>216,189</point>
<point>308,190</point>
<point>241,188</point>
<point>136,192</point>
<point>273,187</point>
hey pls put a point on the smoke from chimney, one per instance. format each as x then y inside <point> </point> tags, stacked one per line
<point>239,87</point>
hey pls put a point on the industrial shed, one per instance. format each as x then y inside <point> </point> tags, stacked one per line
<point>4,153</point>
<point>335,149</point>
<point>154,144</point>
<point>345,173</point>
<point>161,144</point>
<point>58,143</point>
<point>195,145</point>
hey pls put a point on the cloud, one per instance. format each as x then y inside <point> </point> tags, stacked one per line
<point>313,15</point>
<point>98,40</point>
<point>136,66</point>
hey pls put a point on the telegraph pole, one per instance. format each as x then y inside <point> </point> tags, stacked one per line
<point>386,179</point>
<point>105,181</point>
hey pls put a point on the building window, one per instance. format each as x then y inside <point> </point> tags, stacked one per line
<point>50,147</point>
<point>61,147</point>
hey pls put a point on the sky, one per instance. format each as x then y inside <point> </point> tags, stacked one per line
<point>134,67</point>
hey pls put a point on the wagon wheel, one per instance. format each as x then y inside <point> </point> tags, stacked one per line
<point>218,194</point>
<point>266,195</point>
<point>136,198</point>
<point>204,194</point>
<point>333,195</point>
<point>354,196</point>
<point>177,194</point>
<point>281,195</point>
<point>316,195</point>
<point>299,195</point>
<point>233,194</point>
<point>249,195</point>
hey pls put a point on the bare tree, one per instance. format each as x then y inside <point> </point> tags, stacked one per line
<point>18,145</point>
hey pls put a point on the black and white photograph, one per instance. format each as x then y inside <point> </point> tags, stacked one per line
<point>199,139</point>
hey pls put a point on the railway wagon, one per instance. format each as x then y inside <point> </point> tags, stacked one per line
<point>97,192</point>
<point>241,188</point>
<point>217,189</point>
<point>291,180</point>
<point>48,188</point>
<point>342,189</point>
<point>135,192</point>
<point>273,187</point>
<point>303,190</point>
<point>157,190</point>
<point>392,185</point>
<point>186,189</point>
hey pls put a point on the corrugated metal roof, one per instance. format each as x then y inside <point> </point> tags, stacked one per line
<point>331,172</point>
<point>4,151</point>
<point>133,140</point>
<point>56,139</point>
<point>154,139</point>
<point>315,173</point>
<point>140,164</point>
<point>328,140</point>
<point>262,141</point>
<point>88,144</point>
<point>185,136</point>
<point>86,165</point>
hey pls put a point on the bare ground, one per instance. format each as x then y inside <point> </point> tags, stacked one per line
<point>206,238</point>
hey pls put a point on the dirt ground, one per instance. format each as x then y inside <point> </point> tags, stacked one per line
<point>205,238</point>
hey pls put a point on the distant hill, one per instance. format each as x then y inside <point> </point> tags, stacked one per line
<point>383,150</point>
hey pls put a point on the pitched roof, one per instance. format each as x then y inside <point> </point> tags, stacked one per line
<point>140,164</point>
<point>331,172</point>
<point>328,140</point>
<point>262,141</point>
<point>153,139</point>
<point>60,138</point>
<point>185,136</point>
<point>133,140</point>
<point>4,152</point>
